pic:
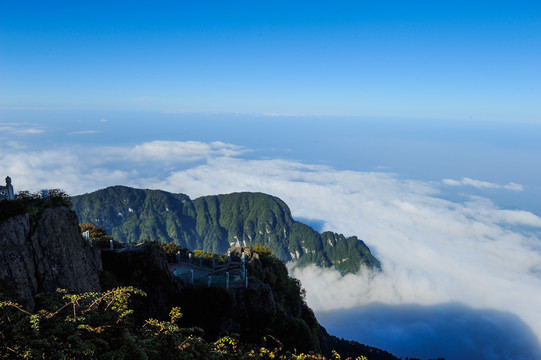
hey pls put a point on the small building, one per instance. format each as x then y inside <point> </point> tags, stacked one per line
<point>6,192</point>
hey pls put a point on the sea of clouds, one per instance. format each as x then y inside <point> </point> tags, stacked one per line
<point>461,278</point>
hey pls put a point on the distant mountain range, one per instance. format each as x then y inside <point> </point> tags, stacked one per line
<point>216,223</point>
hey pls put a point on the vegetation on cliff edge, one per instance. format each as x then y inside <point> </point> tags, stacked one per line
<point>31,203</point>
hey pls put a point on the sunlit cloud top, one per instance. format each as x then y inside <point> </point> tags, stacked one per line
<point>433,250</point>
<point>482,184</point>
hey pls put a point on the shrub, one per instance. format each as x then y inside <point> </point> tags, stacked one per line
<point>32,203</point>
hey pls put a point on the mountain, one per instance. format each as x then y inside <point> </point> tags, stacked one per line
<point>126,302</point>
<point>216,223</point>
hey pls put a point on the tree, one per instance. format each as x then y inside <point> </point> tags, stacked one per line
<point>98,235</point>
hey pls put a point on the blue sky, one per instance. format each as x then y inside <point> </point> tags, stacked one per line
<point>414,125</point>
<point>442,60</point>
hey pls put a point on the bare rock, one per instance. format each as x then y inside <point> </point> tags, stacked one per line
<point>43,252</point>
<point>144,267</point>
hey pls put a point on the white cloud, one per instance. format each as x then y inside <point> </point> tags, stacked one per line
<point>31,131</point>
<point>11,145</point>
<point>80,169</point>
<point>513,187</point>
<point>175,151</point>
<point>20,129</point>
<point>84,132</point>
<point>482,184</point>
<point>433,250</point>
<point>451,182</point>
<point>479,184</point>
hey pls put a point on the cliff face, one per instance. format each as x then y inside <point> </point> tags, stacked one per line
<point>272,304</point>
<point>144,267</point>
<point>43,252</point>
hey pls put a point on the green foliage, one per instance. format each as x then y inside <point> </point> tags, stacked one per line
<point>99,236</point>
<point>175,314</point>
<point>32,203</point>
<point>137,215</point>
<point>171,249</point>
<point>69,326</point>
<point>226,345</point>
<point>262,250</point>
<point>294,323</point>
<point>96,326</point>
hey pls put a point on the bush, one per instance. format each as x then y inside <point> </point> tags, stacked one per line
<point>99,326</point>
<point>99,236</point>
<point>32,203</point>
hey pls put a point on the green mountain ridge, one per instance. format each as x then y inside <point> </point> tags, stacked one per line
<point>216,223</point>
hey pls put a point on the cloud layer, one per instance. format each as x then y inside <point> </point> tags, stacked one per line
<point>434,251</point>
<point>482,184</point>
<point>20,129</point>
<point>81,168</point>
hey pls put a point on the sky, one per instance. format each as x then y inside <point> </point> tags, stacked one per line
<point>415,126</point>
<point>421,59</point>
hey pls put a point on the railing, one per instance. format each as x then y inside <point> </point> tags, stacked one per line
<point>227,280</point>
<point>199,272</point>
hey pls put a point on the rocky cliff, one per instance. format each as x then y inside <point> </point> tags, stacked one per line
<point>45,251</point>
<point>144,267</point>
<point>271,309</point>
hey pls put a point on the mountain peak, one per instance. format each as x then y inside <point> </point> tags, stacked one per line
<point>215,223</point>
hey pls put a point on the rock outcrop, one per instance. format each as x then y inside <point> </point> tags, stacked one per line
<point>43,252</point>
<point>144,267</point>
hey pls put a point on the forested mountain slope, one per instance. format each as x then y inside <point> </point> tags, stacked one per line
<point>216,223</point>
